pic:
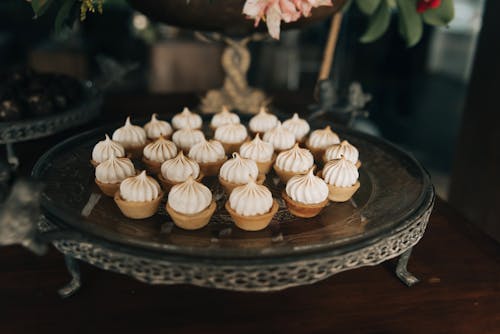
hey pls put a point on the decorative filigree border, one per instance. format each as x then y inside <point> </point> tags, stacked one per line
<point>18,131</point>
<point>246,276</point>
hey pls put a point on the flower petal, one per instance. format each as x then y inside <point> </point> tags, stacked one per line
<point>273,20</point>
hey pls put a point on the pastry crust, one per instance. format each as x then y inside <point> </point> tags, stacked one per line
<point>229,148</point>
<point>252,223</point>
<point>303,210</point>
<point>152,167</point>
<point>318,153</point>
<point>265,167</point>
<point>286,175</point>
<point>229,186</point>
<point>167,184</point>
<point>194,221</point>
<point>138,210</point>
<point>342,194</point>
<point>211,168</point>
<point>135,152</point>
<point>109,189</point>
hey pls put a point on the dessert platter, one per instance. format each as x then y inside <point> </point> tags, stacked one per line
<point>35,105</point>
<point>232,202</point>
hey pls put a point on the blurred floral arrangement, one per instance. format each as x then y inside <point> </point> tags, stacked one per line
<point>413,14</point>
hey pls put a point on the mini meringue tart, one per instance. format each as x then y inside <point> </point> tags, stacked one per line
<point>262,122</point>
<point>156,128</point>
<point>251,206</point>
<point>132,137</point>
<point>105,149</point>
<point>187,119</point>
<point>259,151</point>
<point>231,136</point>
<point>186,138</point>
<point>346,149</point>
<point>156,153</point>
<point>239,171</point>
<point>341,176</point>
<point>190,205</point>
<point>294,161</point>
<point>177,170</point>
<point>305,195</point>
<point>298,126</point>
<point>319,140</point>
<point>210,156</point>
<point>110,173</point>
<point>281,138</point>
<point>224,117</point>
<point>139,196</point>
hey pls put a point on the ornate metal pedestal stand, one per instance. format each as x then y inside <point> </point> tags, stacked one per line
<point>86,226</point>
<point>235,93</point>
<point>39,127</point>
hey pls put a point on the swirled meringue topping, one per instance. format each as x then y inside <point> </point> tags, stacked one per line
<point>180,168</point>
<point>296,159</point>
<point>321,139</point>
<point>263,121</point>
<point>189,197</point>
<point>187,119</point>
<point>343,149</point>
<point>140,188</point>
<point>298,126</point>
<point>307,188</point>
<point>207,151</point>
<point>130,135</point>
<point>281,138</point>
<point>224,117</point>
<point>257,150</point>
<point>251,199</point>
<point>156,128</point>
<point>186,138</point>
<point>340,173</point>
<point>106,149</point>
<point>114,170</point>
<point>231,133</point>
<point>239,170</point>
<point>160,150</point>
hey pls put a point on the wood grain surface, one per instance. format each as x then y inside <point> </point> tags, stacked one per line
<point>459,293</point>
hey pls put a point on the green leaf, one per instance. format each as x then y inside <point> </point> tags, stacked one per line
<point>63,14</point>
<point>410,22</point>
<point>368,7</point>
<point>440,16</point>
<point>347,6</point>
<point>378,24</point>
<point>40,6</point>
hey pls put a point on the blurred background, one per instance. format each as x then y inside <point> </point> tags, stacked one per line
<point>418,93</point>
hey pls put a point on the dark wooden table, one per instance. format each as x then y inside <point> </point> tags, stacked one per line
<point>459,290</point>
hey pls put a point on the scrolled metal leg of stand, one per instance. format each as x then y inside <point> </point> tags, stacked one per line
<point>12,159</point>
<point>403,274</point>
<point>74,285</point>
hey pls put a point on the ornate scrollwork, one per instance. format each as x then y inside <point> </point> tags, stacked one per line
<point>246,276</point>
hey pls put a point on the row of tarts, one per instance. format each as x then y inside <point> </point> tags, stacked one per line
<point>179,156</point>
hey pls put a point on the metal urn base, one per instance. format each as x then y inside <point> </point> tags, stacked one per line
<point>235,94</point>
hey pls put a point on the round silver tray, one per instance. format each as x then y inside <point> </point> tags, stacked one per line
<point>43,126</point>
<point>385,219</point>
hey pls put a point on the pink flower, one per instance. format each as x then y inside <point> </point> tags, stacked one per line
<point>275,11</point>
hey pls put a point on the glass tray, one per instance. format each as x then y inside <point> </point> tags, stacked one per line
<point>395,189</point>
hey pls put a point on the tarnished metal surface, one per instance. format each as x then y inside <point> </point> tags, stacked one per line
<point>223,16</point>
